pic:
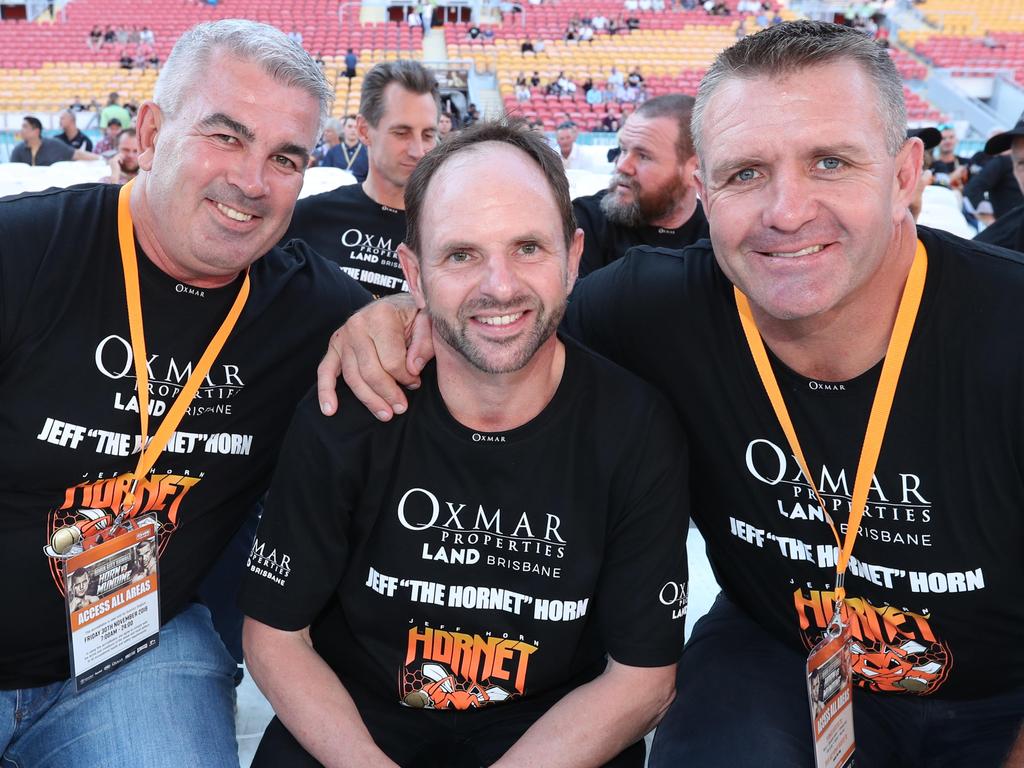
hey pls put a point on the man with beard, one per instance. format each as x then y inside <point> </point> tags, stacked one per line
<point>651,199</point>
<point>577,569</point>
<point>124,166</point>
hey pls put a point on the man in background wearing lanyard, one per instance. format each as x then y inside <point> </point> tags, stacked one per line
<point>151,368</point>
<point>350,153</point>
<point>814,247</point>
<point>360,226</point>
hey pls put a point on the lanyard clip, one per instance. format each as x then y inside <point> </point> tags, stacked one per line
<point>128,504</point>
<point>836,624</point>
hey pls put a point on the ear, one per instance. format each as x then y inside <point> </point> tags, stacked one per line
<point>575,253</point>
<point>907,173</point>
<point>698,181</point>
<point>147,126</point>
<point>413,276</point>
<point>363,130</point>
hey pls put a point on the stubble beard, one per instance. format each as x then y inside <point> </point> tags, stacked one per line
<point>456,335</point>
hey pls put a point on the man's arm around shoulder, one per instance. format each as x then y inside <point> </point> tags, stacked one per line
<point>595,722</point>
<point>309,698</point>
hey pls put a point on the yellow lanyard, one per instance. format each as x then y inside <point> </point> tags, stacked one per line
<point>352,159</point>
<point>880,408</point>
<point>151,449</point>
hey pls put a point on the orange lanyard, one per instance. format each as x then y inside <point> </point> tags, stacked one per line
<point>880,408</point>
<point>151,449</point>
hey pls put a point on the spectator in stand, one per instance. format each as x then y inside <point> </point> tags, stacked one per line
<point>948,162</point>
<point>445,123</point>
<point>587,85</point>
<point>319,60</point>
<point>599,22</point>
<point>146,36</point>
<point>70,134</point>
<point>522,93</point>
<point>594,96</point>
<point>114,109</point>
<point>351,60</point>
<point>95,39</point>
<point>109,36</point>
<point>473,32</point>
<point>331,138</point>
<point>572,156</point>
<point>527,47</point>
<point>521,79</point>
<point>615,78</point>
<point>295,36</point>
<point>565,85</point>
<point>535,79</point>
<point>472,115</point>
<point>36,150</point>
<point>635,78</point>
<point>77,105</point>
<point>124,166</point>
<point>350,154</point>
<point>125,58</point>
<point>586,33</point>
<point>632,22</point>
<point>107,146</point>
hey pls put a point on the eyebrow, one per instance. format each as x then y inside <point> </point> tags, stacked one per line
<point>449,246</point>
<point>219,119</point>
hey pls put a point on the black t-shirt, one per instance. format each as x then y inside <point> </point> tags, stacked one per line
<point>604,242</point>
<point>1006,232</point>
<point>81,141</point>
<point>69,414</point>
<point>941,169</point>
<point>938,560</point>
<point>511,562</point>
<point>360,235</point>
<point>996,180</point>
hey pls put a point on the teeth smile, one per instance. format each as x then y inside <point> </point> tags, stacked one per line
<point>803,252</point>
<point>231,213</point>
<point>501,319</point>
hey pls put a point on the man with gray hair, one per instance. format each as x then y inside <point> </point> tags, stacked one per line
<point>651,199</point>
<point>820,321</point>
<point>360,226</point>
<point>138,384</point>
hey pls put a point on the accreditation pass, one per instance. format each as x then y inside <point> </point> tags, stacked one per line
<point>113,606</point>
<point>831,697</point>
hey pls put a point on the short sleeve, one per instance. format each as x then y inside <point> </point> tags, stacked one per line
<point>301,547</point>
<point>642,592</point>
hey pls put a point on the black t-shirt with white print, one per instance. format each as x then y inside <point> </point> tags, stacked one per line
<point>69,420</point>
<point>937,565</point>
<point>355,232</point>
<point>504,564</point>
<point>605,241</point>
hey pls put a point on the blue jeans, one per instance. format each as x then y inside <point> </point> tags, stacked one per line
<point>741,702</point>
<point>172,707</point>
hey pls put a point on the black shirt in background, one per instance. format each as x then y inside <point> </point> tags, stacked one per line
<point>359,235</point>
<point>604,241</point>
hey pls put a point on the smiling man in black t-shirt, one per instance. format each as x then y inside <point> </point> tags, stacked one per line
<point>464,571</point>
<point>360,226</point>
<point>813,284</point>
<point>651,199</point>
<point>193,237</point>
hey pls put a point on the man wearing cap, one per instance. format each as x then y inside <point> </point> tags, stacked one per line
<point>107,146</point>
<point>1008,229</point>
